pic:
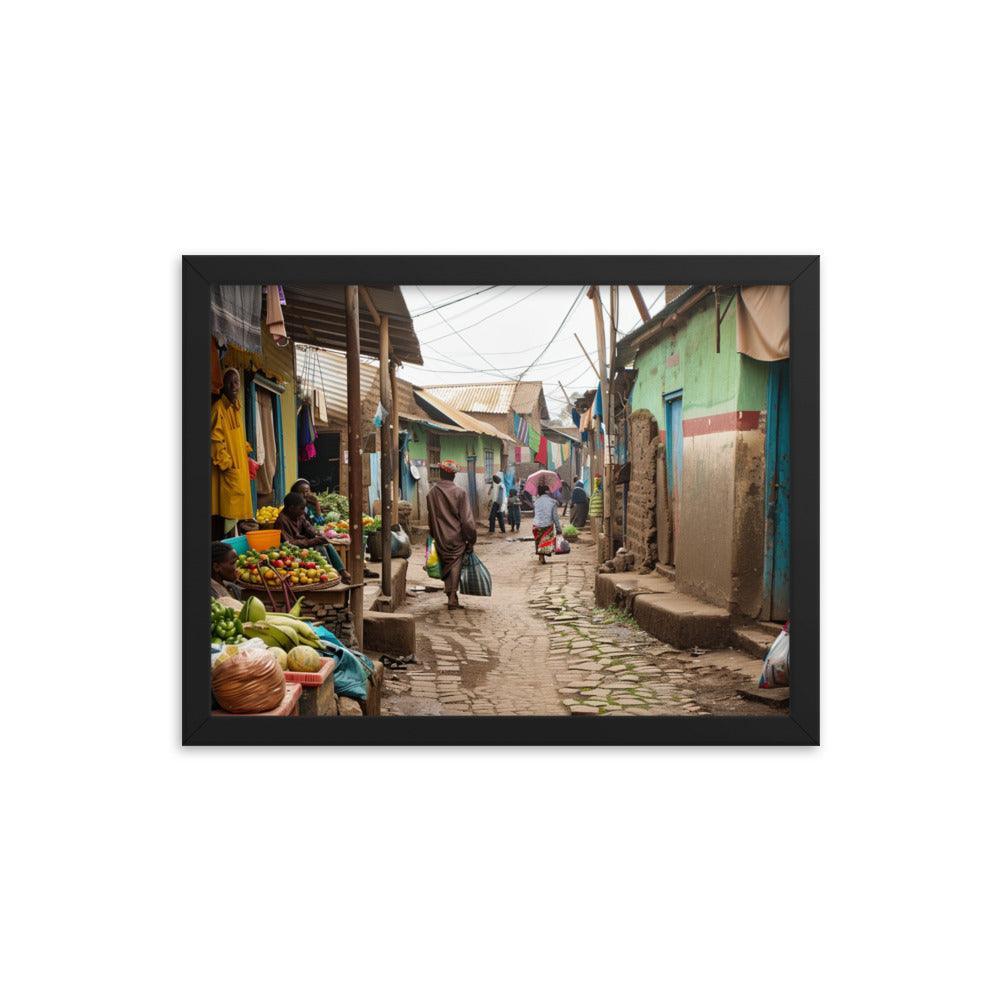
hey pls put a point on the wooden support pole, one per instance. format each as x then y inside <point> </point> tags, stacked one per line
<point>718,322</point>
<point>369,302</point>
<point>354,459</point>
<point>610,408</point>
<point>587,356</point>
<point>394,420</point>
<point>640,302</point>
<point>595,296</point>
<point>385,393</point>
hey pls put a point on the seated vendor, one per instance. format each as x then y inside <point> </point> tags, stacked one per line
<point>224,571</point>
<point>295,527</point>
<point>314,510</point>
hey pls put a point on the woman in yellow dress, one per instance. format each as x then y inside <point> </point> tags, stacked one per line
<point>230,471</point>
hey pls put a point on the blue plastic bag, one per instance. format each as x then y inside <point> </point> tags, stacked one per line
<point>353,672</point>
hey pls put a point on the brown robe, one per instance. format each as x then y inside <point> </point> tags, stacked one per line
<point>453,528</point>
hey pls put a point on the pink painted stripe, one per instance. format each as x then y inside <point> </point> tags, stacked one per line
<point>735,420</point>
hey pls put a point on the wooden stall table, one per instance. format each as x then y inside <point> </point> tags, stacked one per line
<point>318,696</point>
<point>289,705</point>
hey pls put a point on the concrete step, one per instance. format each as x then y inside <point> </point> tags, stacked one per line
<point>621,589</point>
<point>668,571</point>
<point>681,620</point>
<point>753,639</point>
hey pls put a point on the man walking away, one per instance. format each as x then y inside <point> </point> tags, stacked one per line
<point>514,510</point>
<point>453,528</point>
<point>498,504</point>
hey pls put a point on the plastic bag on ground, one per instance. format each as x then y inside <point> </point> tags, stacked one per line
<point>475,579</point>
<point>400,543</point>
<point>777,663</point>
<point>432,564</point>
<point>562,546</point>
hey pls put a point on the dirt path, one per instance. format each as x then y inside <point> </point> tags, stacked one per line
<point>539,646</point>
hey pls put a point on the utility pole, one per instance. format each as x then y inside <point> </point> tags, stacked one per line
<point>606,487</point>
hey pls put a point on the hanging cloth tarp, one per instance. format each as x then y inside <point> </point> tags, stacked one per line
<point>541,455</point>
<point>375,486</point>
<point>762,322</point>
<point>269,460</point>
<point>234,316</point>
<point>509,479</point>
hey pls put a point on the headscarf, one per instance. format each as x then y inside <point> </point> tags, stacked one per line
<point>448,466</point>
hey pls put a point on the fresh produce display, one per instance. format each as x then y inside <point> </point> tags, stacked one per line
<point>334,504</point>
<point>571,532</point>
<point>301,567</point>
<point>266,516</point>
<point>280,656</point>
<point>226,627</point>
<point>342,526</point>
<point>282,631</point>
<point>304,658</point>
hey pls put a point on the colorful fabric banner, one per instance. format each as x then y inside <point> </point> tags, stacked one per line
<point>521,428</point>
<point>534,440</point>
<point>541,454</point>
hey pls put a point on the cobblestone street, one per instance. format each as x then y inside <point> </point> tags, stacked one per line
<point>539,646</point>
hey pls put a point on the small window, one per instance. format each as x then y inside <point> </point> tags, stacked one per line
<point>433,456</point>
<point>488,462</point>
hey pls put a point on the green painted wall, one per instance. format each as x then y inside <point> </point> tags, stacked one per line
<point>710,381</point>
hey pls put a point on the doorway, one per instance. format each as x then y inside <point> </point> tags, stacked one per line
<point>777,527</point>
<point>264,435</point>
<point>673,456</point>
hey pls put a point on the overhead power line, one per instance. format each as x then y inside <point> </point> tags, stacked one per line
<point>569,312</point>
<point>460,330</point>
<point>451,302</point>
<point>458,333</point>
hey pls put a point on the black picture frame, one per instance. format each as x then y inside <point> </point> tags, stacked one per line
<point>800,726</point>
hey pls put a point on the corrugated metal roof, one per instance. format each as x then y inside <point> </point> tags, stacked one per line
<point>327,370</point>
<point>492,397</point>
<point>434,403</point>
<point>315,315</point>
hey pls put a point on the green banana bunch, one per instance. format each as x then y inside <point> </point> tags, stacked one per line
<point>282,631</point>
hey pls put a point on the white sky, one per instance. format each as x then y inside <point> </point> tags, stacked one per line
<point>509,326</point>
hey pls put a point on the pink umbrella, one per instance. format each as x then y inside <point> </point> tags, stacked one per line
<point>553,482</point>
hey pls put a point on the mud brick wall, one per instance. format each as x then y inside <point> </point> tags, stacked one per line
<point>339,621</point>
<point>643,441</point>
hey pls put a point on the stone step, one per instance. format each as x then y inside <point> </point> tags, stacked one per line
<point>668,571</point>
<point>682,621</point>
<point>621,589</point>
<point>753,639</point>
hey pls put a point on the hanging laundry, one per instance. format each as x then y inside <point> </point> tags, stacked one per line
<point>275,319</point>
<point>534,440</point>
<point>306,434</point>
<point>541,455</point>
<point>234,316</point>
<point>521,428</point>
<point>319,400</point>
<point>380,414</point>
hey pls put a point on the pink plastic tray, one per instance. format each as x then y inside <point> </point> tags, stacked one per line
<point>311,680</point>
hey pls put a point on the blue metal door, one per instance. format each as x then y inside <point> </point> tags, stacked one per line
<point>674,456</point>
<point>778,471</point>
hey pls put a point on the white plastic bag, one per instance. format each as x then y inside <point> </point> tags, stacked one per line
<point>777,663</point>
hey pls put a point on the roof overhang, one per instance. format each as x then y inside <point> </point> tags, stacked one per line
<point>439,408</point>
<point>317,315</point>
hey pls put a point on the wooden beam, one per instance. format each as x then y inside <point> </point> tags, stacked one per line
<point>640,302</point>
<point>370,303</point>
<point>354,458</point>
<point>394,419</point>
<point>609,407</point>
<point>385,393</point>
<point>595,296</point>
<point>587,356</point>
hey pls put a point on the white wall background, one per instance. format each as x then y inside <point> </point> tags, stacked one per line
<point>867,867</point>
